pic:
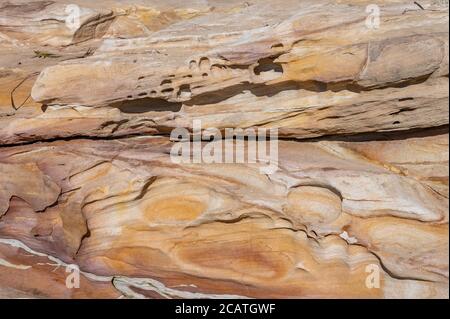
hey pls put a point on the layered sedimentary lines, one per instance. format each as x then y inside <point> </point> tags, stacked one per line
<point>357,208</point>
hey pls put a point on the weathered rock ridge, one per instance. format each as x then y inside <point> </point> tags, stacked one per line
<point>87,179</point>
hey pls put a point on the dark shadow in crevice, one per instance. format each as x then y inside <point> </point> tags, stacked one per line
<point>268,65</point>
<point>398,85</point>
<point>147,105</point>
<point>220,95</point>
<point>261,90</point>
<point>23,8</point>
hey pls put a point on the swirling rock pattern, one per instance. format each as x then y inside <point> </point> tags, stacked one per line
<point>86,176</point>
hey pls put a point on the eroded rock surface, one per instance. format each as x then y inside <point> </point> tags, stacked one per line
<point>87,179</point>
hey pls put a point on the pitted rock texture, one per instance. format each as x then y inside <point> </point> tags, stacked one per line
<point>86,176</point>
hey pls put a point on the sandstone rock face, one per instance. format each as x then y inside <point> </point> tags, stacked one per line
<point>92,91</point>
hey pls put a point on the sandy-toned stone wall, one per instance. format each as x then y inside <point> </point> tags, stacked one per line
<point>90,92</point>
